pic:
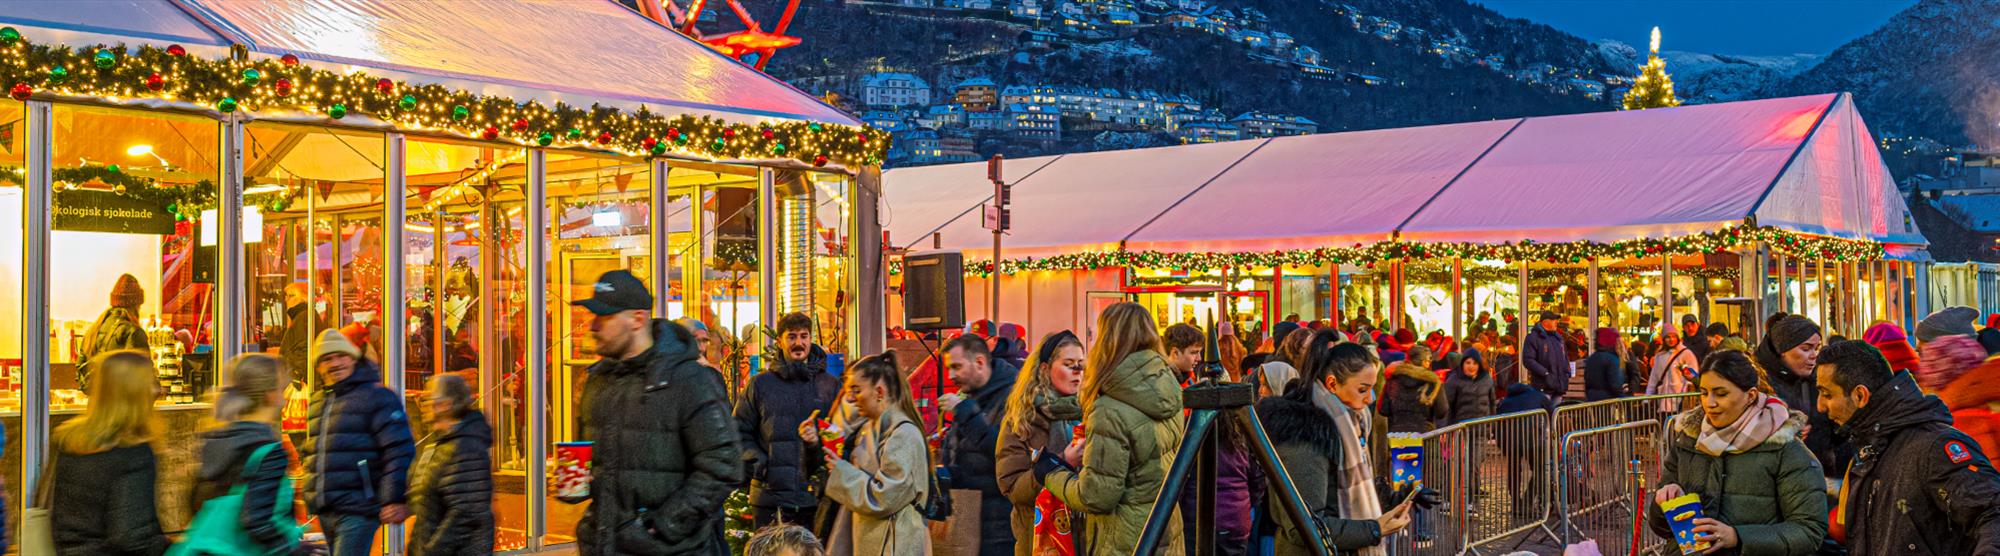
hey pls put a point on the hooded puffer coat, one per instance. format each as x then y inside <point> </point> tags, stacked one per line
<point>1134,431</point>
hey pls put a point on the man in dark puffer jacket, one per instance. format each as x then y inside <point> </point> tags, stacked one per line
<point>357,449</point>
<point>665,456</point>
<point>768,414</point>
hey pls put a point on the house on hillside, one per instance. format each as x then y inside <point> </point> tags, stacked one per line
<point>940,116</point>
<point>1025,9</point>
<point>1264,124</point>
<point>1041,122</point>
<point>1208,132</point>
<point>894,89</point>
<point>978,94</point>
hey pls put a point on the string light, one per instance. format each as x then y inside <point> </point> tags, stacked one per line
<point>282,85</point>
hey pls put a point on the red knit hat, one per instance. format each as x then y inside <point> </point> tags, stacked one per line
<point>1607,338</point>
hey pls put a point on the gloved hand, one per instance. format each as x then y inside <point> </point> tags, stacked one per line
<point>1425,498</point>
<point>1046,464</point>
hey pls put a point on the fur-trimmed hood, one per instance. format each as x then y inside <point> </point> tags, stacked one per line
<point>1413,376</point>
<point>1289,419</point>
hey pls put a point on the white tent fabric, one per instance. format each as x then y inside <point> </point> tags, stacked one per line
<point>1601,177</point>
<point>938,195</point>
<point>581,52</point>
<point>1618,175</point>
<point>1321,190</point>
<point>1840,186</point>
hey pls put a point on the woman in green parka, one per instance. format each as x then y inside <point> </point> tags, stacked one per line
<point>1761,490</point>
<point>1132,418</point>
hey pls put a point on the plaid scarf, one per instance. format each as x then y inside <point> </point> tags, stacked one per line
<point>1358,499</point>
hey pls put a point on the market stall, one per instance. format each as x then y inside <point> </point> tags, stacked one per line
<point>435,180</point>
<point>1623,219</point>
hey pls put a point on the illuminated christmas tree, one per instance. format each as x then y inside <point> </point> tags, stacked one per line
<point>1653,89</point>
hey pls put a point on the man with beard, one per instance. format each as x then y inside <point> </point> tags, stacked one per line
<point>1917,485</point>
<point>983,382</point>
<point>768,414</point>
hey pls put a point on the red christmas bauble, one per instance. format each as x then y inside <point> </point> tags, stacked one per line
<point>674,133</point>
<point>283,86</point>
<point>862,137</point>
<point>521,124</point>
<point>155,82</point>
<point>176,50</point>
<point>289,59</point>
<point>490,132</point>
<point>21,91</point>
<point>385,85</point>
<point>819,160</point>
<point>604,138</point>
<point>729,133</point>
<point>648,143</point>
<point>769,134</point>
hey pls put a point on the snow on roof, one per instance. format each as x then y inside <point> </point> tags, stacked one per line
<point>578,51</point>
<point>1800,163</point>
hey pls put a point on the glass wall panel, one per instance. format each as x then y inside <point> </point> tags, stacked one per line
<point>464,290</point>
<point>1492,295</point>
<point>600,219</point>
<point>1365,293</point>
<point>1427,296</point>
<point>132,266</point>
<point>728,290</point>
<point>313,256</point>
<point>13,195</point>
<point>832,274</point>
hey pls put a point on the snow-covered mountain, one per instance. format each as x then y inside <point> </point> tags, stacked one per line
<point>1701,78</point>
<point>1929,72</point>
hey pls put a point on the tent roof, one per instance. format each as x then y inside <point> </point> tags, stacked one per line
<point>1801,163</point>
<point>581,52</point>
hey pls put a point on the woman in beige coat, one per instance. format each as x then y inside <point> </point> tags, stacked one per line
<point>886,470</point>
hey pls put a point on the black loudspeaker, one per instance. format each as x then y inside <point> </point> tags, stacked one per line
<point>934,291</point>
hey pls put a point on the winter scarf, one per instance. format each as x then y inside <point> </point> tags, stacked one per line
<point>1358,499</point>
<point>1762,419</point>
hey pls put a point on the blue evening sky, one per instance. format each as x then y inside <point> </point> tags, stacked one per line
<point>1745,27</point>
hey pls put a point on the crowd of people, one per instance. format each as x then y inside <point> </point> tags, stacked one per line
<point>1801,444</point>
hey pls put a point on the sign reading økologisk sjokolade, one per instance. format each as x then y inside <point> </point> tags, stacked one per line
<point>89,210</point>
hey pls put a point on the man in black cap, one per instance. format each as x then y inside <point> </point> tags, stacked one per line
<point>1546,358</point>
<point>665,456</point>
<point>1692,336</point>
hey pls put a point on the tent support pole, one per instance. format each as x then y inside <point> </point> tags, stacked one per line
<point>1521,321</point>
<point>1457,299</point>
<point>1784,287</point>
<point>1667,292</point>
<point>1339,312</point>
<point>1591,304</point>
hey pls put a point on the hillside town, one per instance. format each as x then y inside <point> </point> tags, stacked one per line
<point>941,117</point>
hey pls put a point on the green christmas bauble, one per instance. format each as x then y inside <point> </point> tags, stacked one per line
<point>113,168</point>
<point>814,126</point>
<point>407,103</point>
<point>337,111</point>
<point>682,139</point>
<point>104,59</point>
<point>778,148</point>
<point>9,36</point>
<point>460,113</point>
<point>659,149</point>
<point>58,75</point>
<point>545,138</point>
<point>251,76</point>
<point>719,144</point>
<point>573,134</point>
<point>226,105</point>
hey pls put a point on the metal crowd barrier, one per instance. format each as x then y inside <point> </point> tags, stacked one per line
<point>1606,473</point>
<point>1488,471</point>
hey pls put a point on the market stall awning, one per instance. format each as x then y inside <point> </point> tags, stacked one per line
<point>580,52</point>
<point>1805,164</point>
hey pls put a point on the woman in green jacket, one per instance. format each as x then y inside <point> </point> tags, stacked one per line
<point>1761,490</point>
<point>1132,418</point>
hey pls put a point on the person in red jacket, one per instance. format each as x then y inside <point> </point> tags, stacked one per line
<point>1895,346</point>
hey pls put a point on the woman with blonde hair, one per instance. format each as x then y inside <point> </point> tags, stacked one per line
<point>1132,412</point>
<point>246,453</point>
<point>1041,413</point>
<point>102,467</point>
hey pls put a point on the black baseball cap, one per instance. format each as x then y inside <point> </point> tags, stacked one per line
<point>617,291</point>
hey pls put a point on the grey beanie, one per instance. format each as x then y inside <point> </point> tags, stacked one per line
<point>1948,322</point>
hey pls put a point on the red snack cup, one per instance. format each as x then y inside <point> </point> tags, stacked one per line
<point>830,436</point>
<point>1076,434</point>
<point>573,470</point>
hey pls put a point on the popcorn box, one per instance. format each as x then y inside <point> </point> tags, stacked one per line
<point>1681,513</point>
<point>1406,460</point>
